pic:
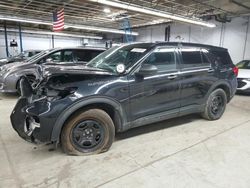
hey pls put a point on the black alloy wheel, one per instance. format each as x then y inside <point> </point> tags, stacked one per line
<point>87,134</point>
<point>215,105</point>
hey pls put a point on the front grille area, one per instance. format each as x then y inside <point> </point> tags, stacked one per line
<point>240,83</point>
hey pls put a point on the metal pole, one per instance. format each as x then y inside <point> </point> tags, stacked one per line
<point>222,34</point>
<point>20,37</point>
<point>189,33</point>
<point>53,42</point>
<point>246,38</point>
<point>6,39</point>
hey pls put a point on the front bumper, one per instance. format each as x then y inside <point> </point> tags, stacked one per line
<point>29,122</point>
<point>34,120</point>
<point>243,85</point>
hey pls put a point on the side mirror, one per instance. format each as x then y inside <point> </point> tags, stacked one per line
<point>147,69</point>
<point>49,60</point>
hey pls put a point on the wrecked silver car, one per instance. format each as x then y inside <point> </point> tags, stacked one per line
<point>11,74</point>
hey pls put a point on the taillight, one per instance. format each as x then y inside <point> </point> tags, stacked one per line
<point>236,71</point>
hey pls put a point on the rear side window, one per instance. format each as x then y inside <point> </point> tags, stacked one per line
<point>222,57</point>
<point>192,58</point>
<point>82,56</point>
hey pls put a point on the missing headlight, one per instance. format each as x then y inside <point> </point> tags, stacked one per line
<point>56,93</point>
<point>31,123</point>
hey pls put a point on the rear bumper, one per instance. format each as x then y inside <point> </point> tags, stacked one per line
<point>234,86</point>
<point>243,85</point>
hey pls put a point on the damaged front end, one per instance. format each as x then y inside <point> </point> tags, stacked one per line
<point>25,116</point>
<point>37,109</point>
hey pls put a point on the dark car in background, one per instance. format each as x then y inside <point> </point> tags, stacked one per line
<point>20,57</point>
<point>122,88</point>
<point>10,74</point>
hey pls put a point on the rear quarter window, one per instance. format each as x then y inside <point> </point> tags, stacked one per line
<point>222,57</point>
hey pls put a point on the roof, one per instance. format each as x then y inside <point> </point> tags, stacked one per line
<point>32,50</point>
<point>83,47</point>
<point>77,48</point>
<point>187,44</point>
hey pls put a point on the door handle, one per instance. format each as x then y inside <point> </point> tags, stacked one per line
<point>210,70</point>
<point>171,77</point>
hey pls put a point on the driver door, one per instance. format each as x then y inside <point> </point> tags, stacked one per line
<point>158,95</point>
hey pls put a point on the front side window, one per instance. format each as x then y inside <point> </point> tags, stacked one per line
<point>163,59</point>
<point>55,57</point>
<point>52,58</point>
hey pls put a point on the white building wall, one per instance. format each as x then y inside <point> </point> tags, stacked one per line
<point>231,35</point>
<point>42,42</point>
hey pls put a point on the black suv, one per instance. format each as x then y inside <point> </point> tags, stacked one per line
<point>122,88</point>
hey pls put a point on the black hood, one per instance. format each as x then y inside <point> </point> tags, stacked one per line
<point>50,71</point>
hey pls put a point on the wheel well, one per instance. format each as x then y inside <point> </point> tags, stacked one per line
<point>226,89</point>
<point>30,75</point>
<point>109,109</point>
<point>27,75</point>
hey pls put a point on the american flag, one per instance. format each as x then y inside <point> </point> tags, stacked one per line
<point>58,20</point>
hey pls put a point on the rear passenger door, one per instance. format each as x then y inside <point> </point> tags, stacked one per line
<point>197,76</point>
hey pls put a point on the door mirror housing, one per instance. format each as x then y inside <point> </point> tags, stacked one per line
<point>147,69</point>
<point>48,61</point>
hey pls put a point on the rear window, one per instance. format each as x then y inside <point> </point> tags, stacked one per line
<point>222,57</point>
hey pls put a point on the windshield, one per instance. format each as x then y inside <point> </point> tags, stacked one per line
<point>24,54</point>
<point>37,56</point>
<point>243,65</point>
<point>127,55</point>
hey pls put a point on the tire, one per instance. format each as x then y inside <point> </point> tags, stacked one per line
<point>215,105</point>
<point>18,87</point>
<point>88,132</point>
